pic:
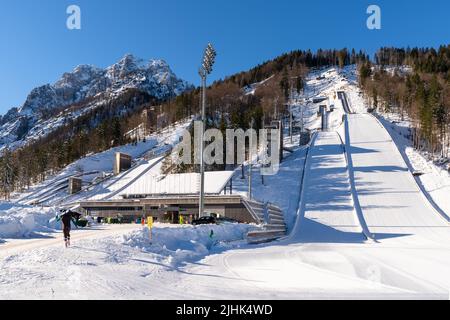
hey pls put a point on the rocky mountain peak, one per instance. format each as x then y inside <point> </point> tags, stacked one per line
<point>153,77</point>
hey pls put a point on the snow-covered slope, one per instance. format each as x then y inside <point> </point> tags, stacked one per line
<point>49,106</point>
<point>96,170</point>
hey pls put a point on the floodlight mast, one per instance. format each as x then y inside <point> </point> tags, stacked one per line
<point>208,61</point>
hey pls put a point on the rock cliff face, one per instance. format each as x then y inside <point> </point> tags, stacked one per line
<point>39,114</point>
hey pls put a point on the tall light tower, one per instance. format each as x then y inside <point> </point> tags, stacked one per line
<point>209,58</point>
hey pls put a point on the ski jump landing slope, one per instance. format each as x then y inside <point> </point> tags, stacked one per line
<point>391,201</point>
<point>327,210</point>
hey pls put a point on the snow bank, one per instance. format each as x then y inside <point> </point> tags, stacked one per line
<point>19,221</point>
<point>186,243</point>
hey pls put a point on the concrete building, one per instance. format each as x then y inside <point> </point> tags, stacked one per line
<point>168,209</point>
<point>122,162</point>
<point>143,191</point>
<point>154,119</point>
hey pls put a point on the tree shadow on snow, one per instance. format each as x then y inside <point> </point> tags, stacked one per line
<point>314,232</point>
<point>358,150</point>
<point>375,169</point>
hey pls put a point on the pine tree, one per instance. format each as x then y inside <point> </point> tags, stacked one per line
<point>365,71</point>
<point>116,132</point>
<point>7,174</point>
<point>300,84</point>
<point>284,84</point>
<point>375,98</point>
<point>342,58</point>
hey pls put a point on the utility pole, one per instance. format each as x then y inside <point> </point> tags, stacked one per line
<point>202,149</point>
<point>206,69</point>
<point>302,106</point>
<point>276,109</point>
<point>250,166</point>
<point>290,112</point>
<point>263,148</point>
<point>291,102</point>
<point>302,122</point>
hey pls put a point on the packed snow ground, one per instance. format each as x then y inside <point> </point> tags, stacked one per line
<point>107,262</point>
<point>326,256</point>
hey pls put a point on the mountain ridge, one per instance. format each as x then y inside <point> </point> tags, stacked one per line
<point>87,82</point>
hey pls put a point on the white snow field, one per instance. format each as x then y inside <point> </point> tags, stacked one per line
<point>364,230</point>
<point>107,262</point>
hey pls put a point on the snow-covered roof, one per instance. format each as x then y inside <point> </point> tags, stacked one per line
<point>179,184</point>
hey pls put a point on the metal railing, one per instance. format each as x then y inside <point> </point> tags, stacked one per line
<point>274,226</point>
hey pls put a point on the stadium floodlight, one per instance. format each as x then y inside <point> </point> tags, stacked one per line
<point>209,58</point>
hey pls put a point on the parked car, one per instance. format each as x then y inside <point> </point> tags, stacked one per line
<point>82,223</point>
<point>204,220</point>
<point>126,220</point>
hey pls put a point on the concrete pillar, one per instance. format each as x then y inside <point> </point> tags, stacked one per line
<point>75,185</point>
<point>324,114</point>
<point>122,162</point>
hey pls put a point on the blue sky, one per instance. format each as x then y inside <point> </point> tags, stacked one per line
<point>36,47</point>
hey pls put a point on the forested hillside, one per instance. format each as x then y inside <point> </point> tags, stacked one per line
<point>259,94</point>
<point>416,84</point>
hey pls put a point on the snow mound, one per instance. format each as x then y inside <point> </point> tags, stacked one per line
<point>178,244</point>
<point>20,221</point>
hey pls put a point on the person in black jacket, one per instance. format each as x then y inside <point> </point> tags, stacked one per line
<point>66,217</point>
